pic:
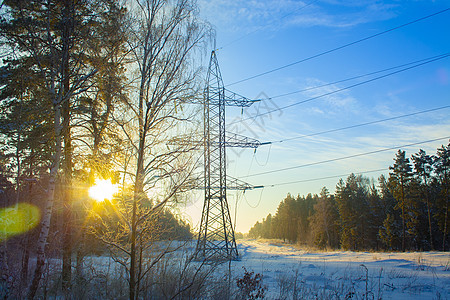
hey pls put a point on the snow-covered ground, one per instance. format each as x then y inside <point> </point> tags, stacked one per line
<point>289,272</point>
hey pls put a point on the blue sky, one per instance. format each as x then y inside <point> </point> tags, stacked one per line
<point>258,36</point>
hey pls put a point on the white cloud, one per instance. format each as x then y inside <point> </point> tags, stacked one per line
<point>315,111</point>
<point>327,99</point>
<point>247,16</point>
<point>356,12</point>
<point>385,109</point>
<point>397,135</point>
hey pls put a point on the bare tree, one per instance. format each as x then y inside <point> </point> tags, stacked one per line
<point>165,43</point>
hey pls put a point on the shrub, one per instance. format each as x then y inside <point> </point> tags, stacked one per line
<point>250,285</point>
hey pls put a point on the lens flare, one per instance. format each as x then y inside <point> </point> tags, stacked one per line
<point>103,189</point>
<point>18,219</point>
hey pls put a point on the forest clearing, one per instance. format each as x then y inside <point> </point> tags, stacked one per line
<point>280,271</point>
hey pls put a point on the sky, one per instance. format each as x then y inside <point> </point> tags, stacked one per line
<point>324,44</point>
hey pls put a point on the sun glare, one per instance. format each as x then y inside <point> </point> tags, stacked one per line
<point>18,219</point>
<point>103,189</point>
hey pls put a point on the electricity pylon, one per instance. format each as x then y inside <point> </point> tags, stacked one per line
<point>216,239</point>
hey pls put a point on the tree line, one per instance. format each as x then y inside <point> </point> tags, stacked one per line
<point>408,210</point>
<point>96,89</point>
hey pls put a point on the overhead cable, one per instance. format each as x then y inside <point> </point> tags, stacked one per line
<point>341,47</point>
<point>436,58</point>
<point>362,124</point>
<point>323,178</point>
<point>346,157</point>
<point>355,77</point>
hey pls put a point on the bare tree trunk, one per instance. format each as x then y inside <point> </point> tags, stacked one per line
<point>68,22</point>
<point>67,205</point>
<point>138,190</point>
<point>47,213</point>
<point>132,284</point>
<point>27,240</point>
<point>67,199</point>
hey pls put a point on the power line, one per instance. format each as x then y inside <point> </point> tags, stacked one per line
<point>259,201</point>
<point>323,178</point>
<point>341,47</point>
<point>270,23</point>
<point>346,157</point>
<point>356,77</point>
<point>436,58</point>
<point>362,124</point>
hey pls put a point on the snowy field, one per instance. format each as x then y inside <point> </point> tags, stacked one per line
<point>289,272</point>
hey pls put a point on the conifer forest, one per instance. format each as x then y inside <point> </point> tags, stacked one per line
<point>406,211</point>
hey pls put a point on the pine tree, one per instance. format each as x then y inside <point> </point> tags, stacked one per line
<point>255,231</point>
<point>266,230</point>
<point>304,212</point>
<point>399,180</point>
<point>352,201</point>
<point>25,125</point>
<point>345,214</point>
<point>51,40</point>
<point>389,232</point>
<point>423,167</point>
<point>442,170</point>
<point>287,220</point>
<point>376,217</point>
<point>323,223</point>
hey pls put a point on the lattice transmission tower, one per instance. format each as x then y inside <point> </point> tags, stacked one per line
<point>216,239</point>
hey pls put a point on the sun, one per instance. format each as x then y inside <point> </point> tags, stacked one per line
<point>103,189</point>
